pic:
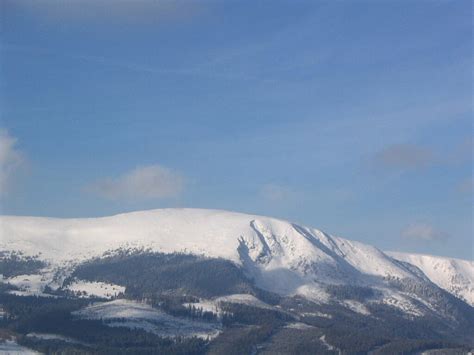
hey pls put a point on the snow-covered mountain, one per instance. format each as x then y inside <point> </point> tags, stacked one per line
<point>211,278</point>
<point>280,256</point>
<point>454,275</point>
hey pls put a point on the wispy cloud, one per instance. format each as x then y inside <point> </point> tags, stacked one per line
<point>194,70</point>
<point>110,11</point>
<point>404,157</point>
<point>142,183</point>
<point>11,159</point>
<point>276,193</point>
<point>422,232</point>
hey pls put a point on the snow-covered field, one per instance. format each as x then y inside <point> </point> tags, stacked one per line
<point>243,299</point>
<point>317,314</point>
<point>298,325</point>
<point>10,347</point>
<point>131,314</point>
<point>87,289</point>
<point>29,285</point>
<point>48,336</point>
<point>214,305</point>
<point>357,307</point>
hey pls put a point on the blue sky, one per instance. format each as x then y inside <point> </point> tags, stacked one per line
<point>353,117</point>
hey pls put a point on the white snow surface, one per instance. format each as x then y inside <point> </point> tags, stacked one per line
<point>246,299</point>
<point>454,275</point>
<point>214,305</point>
<point>132,314</point>
<point>29,285</point>
<point>281,256</point>
<point>11,347</point>
<point>49,336</point>
<point>298,325</point>
<point>356,307</point>
<point>87,289</point>
<point>32,284</point>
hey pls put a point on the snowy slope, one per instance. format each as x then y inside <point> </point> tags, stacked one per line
<point>130,314</point>
<point>10,347</point>
<point>282,257</point>
<point>454,275</point>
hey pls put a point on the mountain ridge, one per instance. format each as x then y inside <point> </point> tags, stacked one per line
<point>451,274</point>
<point>107,217</point>
<point>280,256</point>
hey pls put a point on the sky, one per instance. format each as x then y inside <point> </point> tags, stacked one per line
<point>354,117</point>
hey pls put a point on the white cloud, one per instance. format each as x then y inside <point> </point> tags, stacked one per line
<point>276,193</point>
<point>404,156</point>
<point>11,160</point>
<point>148,182</point>
<point>422,232</point>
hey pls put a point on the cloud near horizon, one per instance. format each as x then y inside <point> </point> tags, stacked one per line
<point>11,159</point>
<point>422,232</point>
<point>142,183</point>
